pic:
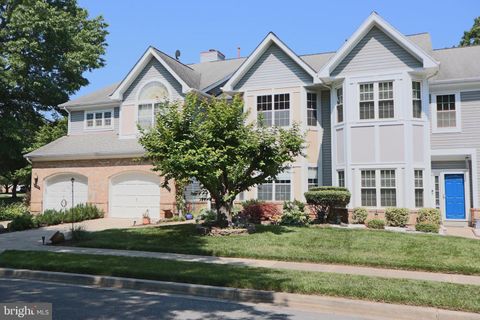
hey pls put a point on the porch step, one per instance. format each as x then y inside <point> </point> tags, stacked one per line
<point>455,223</point>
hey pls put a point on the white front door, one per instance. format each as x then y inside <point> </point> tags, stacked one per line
<point>133,193</point>
<point>58,189</point>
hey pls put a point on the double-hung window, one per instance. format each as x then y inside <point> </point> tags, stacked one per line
<point>312,177</point>
<point>367,101</point>
<point>341,178</point>
<point>368,188</point>
<point>311,109</point>
<point>378,184</point>
<point>98,119</point>
<point>446,111</point>
<point>377,100</point>
<point>339,105</point>
<point>418,188</point>
<point>416,99</point>
<point>147,113</point>
<point>276,190</point>
<point>279,115</point>
<point>388,191</point>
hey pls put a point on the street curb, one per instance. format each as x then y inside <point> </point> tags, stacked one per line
<point>375,310</point>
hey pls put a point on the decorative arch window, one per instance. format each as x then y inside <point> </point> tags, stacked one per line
<point>150,103</point>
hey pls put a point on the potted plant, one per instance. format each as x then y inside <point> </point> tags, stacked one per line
<point>146,217</point>
<point>189,216</point>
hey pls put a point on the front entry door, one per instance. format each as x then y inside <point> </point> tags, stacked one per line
<point>455,196</point>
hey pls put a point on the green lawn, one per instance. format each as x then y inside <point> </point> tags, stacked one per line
<point>6,198</point>
<point>420,293</point>
<point>313,244</point>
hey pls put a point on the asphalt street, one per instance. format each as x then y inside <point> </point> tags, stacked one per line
<point>84,302</point>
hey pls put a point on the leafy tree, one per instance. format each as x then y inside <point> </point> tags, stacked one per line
<point>211,141</point>
<point>45,47</point>
<point>472,37</point>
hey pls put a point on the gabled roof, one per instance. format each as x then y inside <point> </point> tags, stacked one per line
<point>375,20</point>
<point>97,98</point>
<point>186,76</point>
<point>270,39</point>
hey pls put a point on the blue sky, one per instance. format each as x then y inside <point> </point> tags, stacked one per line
<point>305,26</point>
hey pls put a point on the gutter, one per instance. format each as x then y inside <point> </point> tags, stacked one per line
<point>86,156</point>
<point>455,81</point>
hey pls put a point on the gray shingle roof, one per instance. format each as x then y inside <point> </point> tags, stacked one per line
<point>87,145</point>
<point>101,96</point>
<point>186,73</point>
<point>457,63</point>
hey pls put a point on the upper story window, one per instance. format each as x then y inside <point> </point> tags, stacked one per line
<point>446,111</point>
<point>150,103</point>
<point>311,109</point>
<point>377,100</point>
<point>416,99</point>
<point>279,115</point>
<point>99,119</point>
<point>339,105</point>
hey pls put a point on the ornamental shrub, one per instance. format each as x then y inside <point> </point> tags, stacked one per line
<point>359,215</point>
<point>10,211</point>
<point>294,214</point>
<point>427,227</point>
<point>430,215</point>
<point>82,212</point>
<point>324,199</point>
<point>256,212</point>
<point>22,222</point>
<point>397,217</point>
<point>50,217</point>
<point>376,224</point>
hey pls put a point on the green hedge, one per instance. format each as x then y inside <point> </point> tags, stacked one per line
<point>397,217</point>
<point>430,215</point>
<point>376,224</point>
<point>359,215</point>
<point>427,227</point>
<point>10,211</point>
<point>22,222</point>
<point>328,196</point>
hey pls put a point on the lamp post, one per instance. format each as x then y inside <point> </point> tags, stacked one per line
<point>73,181</point>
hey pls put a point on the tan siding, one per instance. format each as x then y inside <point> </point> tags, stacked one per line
<point>470,135</point>
<point>376,51</point>
<point>273,69</point>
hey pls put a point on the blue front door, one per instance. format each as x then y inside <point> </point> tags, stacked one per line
<point>454,196</point>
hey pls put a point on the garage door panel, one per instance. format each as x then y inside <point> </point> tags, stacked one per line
<point>59,188</point>
<point>132,194</point>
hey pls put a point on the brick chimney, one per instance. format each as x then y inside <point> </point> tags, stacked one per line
<point>211,55</point>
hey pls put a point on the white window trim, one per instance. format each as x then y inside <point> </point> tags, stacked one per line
<point>415,188</point>
<point>95,127</point>
<point>458,113</point>
<point>273,106</point>
<point>343,104</point>
<point>376,100</point>
<point>378,186</point>
<point>152,103</point>
<point>421,99</point>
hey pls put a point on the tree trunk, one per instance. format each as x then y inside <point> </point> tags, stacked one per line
<point>7,187</point>
<point>225,208</point>
<point>14,191</point>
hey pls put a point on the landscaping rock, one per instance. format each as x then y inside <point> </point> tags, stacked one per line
<point>57,238</point>
<point>216,231</point>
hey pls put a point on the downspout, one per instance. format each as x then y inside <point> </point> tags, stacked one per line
<point>468,165</point>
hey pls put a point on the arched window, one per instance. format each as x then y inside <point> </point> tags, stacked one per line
<point>150,101</point>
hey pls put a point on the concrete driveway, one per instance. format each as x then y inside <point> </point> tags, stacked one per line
<point>29,239</point>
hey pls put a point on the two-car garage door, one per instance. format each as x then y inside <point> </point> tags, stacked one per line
<point>133,193</point>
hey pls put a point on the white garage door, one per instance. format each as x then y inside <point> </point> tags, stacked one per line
<point>132,194</point>
<point>59,188</point>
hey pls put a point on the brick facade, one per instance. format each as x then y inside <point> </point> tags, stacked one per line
<point>98,173</point>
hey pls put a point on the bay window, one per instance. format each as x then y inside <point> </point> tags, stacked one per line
<point>377,100</point>
<point>378,184</point>
<point>416,99</point>
<point>341,178</point>
<point>339,105</point>
<point>418,188</point>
